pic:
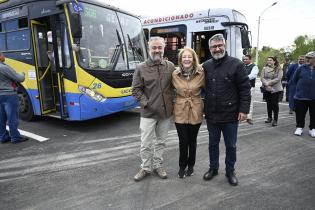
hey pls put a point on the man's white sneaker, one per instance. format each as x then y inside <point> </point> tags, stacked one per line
<point>312,133</point>
<point>298,131</point>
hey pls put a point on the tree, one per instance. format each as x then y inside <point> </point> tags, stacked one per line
<point>303,44</point>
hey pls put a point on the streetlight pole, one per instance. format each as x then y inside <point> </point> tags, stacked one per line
<point>259,18</point>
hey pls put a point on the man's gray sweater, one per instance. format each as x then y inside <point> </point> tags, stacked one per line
<point>8,78</point>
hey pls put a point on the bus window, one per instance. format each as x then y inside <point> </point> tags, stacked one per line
<point>238,44</point>
<point>18,40</point>
<point>23,23</point>
<point>146,33</point>
<point>11,25</point>
<point>134,37</point>
<point>175,39</point>
<point>101,49</point>
<point>16,35</point>
<point>65,43</point>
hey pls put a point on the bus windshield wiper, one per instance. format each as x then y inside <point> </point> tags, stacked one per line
<point>135,53</point>
<point>117,51</point>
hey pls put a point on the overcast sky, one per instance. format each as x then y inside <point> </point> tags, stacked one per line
<point>280,24</point>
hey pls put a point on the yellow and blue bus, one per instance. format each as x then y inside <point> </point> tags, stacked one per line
<point>78,56</point>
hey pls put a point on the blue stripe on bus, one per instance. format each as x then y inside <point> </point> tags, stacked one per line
<point>92,109</point>
<point>82,107</point>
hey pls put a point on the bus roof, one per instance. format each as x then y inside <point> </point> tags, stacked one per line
<point>230,13</point>
<point>12,3</point>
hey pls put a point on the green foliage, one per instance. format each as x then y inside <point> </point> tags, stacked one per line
<point>302,45</point>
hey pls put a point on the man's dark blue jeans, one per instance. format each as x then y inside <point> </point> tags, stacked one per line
<point>229,131</point>
<point>9,112</point>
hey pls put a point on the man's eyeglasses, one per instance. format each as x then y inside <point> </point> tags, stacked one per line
<point>215,46</point>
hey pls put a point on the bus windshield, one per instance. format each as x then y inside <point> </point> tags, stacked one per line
<point>111,41</point>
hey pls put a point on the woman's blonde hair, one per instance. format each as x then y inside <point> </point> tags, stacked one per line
<point>194,54</point>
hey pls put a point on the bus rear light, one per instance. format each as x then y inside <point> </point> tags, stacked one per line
<point>92,94</point>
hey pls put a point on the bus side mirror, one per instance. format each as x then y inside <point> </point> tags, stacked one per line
<point>245,39</point>
<point>76,25</point>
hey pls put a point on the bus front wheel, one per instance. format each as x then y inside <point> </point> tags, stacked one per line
<point>26,108</point>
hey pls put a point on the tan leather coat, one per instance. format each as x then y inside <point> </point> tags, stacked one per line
<point>271,79</point>
<point>188,107</point>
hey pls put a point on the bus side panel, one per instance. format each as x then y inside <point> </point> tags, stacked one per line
<point>73,106</point>
<point>30,83</point>
<point>33,95</point>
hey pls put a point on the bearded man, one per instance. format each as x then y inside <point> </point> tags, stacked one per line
<point>151,86</point>
<point>227,102</point>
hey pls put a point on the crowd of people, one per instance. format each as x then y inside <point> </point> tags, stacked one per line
<point>226,83</point>
<point>298,82</point>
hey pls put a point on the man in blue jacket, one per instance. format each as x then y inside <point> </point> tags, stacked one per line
<point>227,102</point>
<point>291,85</point>
<point>9,103</point>
<point>304,98</point>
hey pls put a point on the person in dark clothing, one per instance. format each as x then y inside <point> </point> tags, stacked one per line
<point>9,103</point>
<point>271,80</point>
<point>227,101</point>
<point>291,85</point>
<point>284,81</point>
<point>304,98</point>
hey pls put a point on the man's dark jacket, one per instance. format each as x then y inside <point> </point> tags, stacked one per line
<point>227,89</point>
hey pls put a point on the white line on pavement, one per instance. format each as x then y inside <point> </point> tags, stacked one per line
<point>263,102</point>
<point>32,135</point>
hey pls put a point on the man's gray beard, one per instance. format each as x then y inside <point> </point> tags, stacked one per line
<point>218,56</point>
<point>157,58</point>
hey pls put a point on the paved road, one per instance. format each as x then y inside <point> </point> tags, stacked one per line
<point>90,165</point>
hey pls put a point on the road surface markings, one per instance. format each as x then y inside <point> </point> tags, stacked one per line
<point>32,135</point>
<point>128,147</point>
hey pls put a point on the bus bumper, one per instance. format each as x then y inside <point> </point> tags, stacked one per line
<point>89,108</point>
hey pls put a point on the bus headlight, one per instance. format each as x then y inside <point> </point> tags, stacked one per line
<point>91,93</point>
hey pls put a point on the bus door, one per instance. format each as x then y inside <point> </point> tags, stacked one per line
<point>43,68</point>
<point>60,47</point>
<point>200,43</point>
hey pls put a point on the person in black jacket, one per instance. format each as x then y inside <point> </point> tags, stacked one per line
<point>227,102</point>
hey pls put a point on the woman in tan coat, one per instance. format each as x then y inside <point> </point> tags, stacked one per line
<point>271,76</point>
<point>188,81</point>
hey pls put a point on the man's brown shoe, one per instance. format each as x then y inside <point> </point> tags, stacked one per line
<point>140,175</point>
<point>161,173</point>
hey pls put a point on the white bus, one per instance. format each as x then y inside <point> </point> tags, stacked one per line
<point>193,29</point>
